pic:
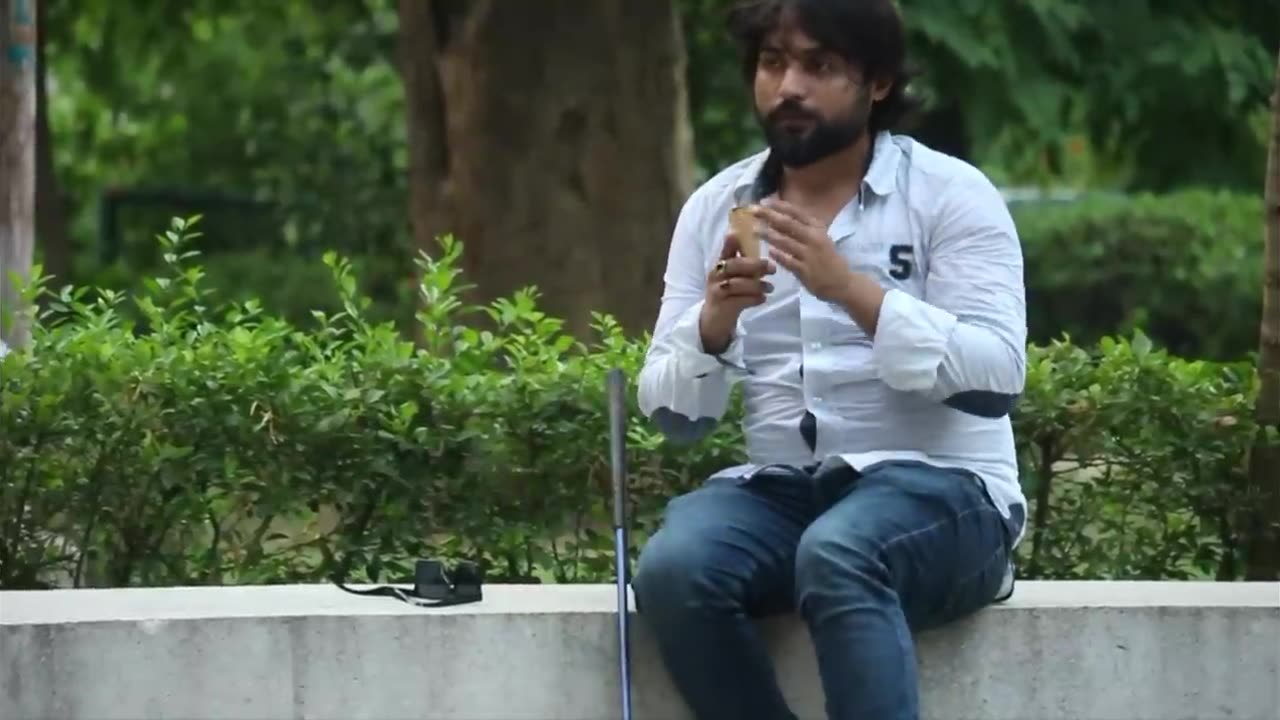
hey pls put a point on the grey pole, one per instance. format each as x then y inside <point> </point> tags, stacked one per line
<point>616,386</point>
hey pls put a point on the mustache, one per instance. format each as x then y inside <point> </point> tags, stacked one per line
<point>790,110</point>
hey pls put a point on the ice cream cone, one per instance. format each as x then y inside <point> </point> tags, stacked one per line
<point>743,223</point>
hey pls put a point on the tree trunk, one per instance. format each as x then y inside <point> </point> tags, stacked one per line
<point>1263,548</point>
<point>17,162</point>
<point>52,227</point>
<point>552,138</point>
<point>420,38</point>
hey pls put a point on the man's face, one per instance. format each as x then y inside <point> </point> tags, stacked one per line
<point>809,101</point>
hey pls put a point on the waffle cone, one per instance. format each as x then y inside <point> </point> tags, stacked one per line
<point>743,224</point>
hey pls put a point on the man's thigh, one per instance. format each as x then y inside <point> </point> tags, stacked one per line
<point>940,542</point>
<point>731,543</point>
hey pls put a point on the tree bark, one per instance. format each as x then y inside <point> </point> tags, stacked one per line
<point>420,38</point>
<point>1263,548</point>
<point>17,162</point>
<point>563,150</point>
<point>52,228</point>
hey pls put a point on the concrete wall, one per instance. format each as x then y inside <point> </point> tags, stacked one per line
<point>1078,651</point>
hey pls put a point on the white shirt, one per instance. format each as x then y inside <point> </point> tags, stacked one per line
<point>937,381</point>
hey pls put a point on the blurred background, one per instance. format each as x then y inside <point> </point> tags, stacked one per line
<point>557,140</point>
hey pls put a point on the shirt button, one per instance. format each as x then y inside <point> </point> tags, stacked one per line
<point>815,345</point>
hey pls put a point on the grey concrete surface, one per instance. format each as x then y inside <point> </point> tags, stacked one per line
<point>1056,651</point>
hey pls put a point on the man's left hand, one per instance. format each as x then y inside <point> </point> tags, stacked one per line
<point>801,244</point>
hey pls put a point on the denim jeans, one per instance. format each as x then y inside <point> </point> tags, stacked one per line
<point>864,558</point>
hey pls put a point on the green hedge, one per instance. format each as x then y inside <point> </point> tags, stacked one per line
<point>1184,268</point>
<point>224,445</point>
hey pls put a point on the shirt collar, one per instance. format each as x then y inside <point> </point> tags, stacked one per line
<point>759,177</point>
<point>882,176</point>
<point>757,180</point>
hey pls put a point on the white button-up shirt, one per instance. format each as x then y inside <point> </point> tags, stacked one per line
<point>936,382</point>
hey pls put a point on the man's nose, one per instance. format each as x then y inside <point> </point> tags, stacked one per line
<point>794,85</point>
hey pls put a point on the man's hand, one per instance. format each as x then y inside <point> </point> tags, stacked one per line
<point>734,284</point>
<point>801,244</point>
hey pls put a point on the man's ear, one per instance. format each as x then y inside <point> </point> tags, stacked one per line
<point>880,88</point>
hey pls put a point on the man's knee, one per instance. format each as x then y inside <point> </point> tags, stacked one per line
<point>837,562</point>
<point>675,573</point>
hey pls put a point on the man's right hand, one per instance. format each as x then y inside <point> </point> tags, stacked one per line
<point>735,284</point>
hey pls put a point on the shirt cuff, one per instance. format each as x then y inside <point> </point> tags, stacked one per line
<point>911,341</point>
<point>694,360</point>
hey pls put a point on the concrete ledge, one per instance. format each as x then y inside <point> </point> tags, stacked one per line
<point>1069,651</point>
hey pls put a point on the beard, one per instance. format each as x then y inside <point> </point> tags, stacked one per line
<point>800,137</point>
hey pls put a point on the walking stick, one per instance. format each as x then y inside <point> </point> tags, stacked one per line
<point>616,384</point>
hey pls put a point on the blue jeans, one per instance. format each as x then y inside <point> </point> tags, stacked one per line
<point>865,558</point>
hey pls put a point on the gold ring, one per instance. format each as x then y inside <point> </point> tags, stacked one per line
<point>720,267</point>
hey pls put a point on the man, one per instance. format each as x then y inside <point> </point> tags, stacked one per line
<point>879,342</point>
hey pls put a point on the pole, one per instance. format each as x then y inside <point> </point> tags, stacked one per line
<point>616,385</point>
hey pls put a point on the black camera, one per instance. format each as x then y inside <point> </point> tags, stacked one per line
<point>433,581</point>
<point>434,585</point>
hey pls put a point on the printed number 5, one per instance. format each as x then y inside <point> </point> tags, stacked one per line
<point>900,257</point>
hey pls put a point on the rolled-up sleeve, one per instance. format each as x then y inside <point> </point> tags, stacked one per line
<point>684,389</point>
<point>964,342</point>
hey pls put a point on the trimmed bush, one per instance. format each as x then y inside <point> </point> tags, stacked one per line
<point>1183,268</point>
<point>1133,461</point>
<point>223,445</point>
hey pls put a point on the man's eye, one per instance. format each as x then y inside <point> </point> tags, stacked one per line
<point>822,67</point>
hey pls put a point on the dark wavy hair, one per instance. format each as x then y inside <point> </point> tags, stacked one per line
<point>867,33</point>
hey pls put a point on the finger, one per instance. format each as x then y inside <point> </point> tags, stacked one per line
<point>785,224</point>
<point>795,213</point>
<point>735,287</point>
<point>787,243</point>
<point>742,302</point>
<point>743,267</point>
<point>732,248</point>
<point>785,259</point>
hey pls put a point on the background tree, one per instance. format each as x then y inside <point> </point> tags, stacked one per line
<point>17,162</point>
<point>1264,470</point>
<point>53,234</point>
<point>553,139</point>
<point>281,122</point>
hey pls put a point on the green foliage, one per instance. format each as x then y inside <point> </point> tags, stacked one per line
<point>289,104</point>
<point>1184,268</point>
<point>215,443</point>
<point>1033,76</point>
<point>1134,462</point>
<point>724,125</point>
